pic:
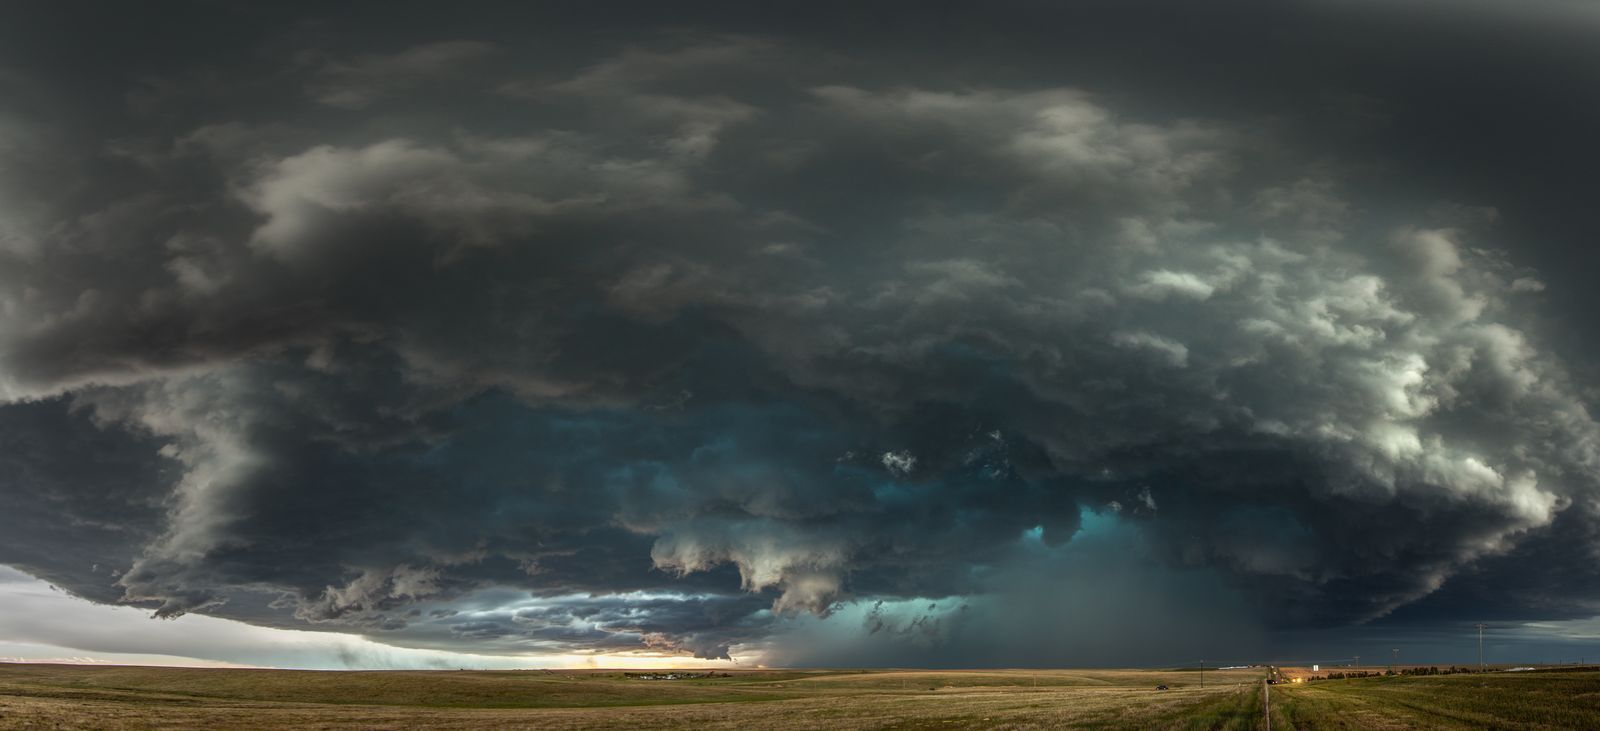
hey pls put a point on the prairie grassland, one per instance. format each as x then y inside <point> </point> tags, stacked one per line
<point>63,696</point>
<point>1536,700</point>
<point>69,696</point>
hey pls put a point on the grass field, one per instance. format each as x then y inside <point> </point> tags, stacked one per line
<point>67,696</point>
<point>1535,700</point>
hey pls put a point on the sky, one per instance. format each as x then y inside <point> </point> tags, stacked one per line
<point>397,334</point>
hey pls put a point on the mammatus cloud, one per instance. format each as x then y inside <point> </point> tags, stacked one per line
<point>689,343</point>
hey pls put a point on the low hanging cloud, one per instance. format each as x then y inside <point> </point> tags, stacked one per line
<point>650,362</point>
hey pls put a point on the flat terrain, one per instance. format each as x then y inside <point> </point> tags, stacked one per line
<point>67,696</point>
<point>1533,700</point>
<point>52,696</point>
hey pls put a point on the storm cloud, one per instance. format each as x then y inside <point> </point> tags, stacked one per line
<point>681,335</point>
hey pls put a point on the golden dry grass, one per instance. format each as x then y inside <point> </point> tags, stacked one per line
<point>61,696</point>
<point>97,697</point>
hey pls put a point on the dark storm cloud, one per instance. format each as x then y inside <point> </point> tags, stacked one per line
<point>661,334</point>
<point>358,82</point>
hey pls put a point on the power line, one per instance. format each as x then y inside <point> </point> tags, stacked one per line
<point>1480,646</point>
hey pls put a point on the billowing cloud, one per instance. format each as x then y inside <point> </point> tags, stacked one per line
<point>678,346</point>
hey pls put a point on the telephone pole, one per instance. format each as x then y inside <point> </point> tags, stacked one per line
<point>1202,673</point>
<point>1266,702</point>
<point>1396,660</point>
<point>1358,662</point>
<point>1480,646</point>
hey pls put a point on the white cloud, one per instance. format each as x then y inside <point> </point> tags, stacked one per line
<point>40,623</point>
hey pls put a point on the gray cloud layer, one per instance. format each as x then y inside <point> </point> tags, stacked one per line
<point>665,341</point>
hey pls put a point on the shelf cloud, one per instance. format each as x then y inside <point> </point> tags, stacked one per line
<point>693,337</point>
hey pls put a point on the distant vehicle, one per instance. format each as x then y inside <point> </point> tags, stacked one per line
<point>1161,687</point>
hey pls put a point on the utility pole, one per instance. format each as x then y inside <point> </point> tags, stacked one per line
<point>1358,662</point>
<point>1266,702</point>
<point>1396,660</point>
<point>1480,647</point>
